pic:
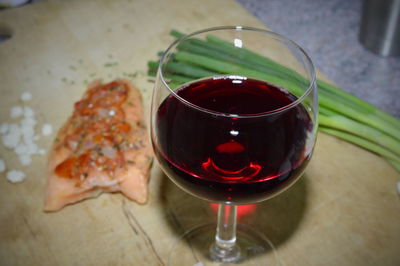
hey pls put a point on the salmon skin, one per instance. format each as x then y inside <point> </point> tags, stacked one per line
<point>102,147</point>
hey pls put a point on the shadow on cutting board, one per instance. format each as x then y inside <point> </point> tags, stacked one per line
<point>5,33</point>
<point>277,218</point>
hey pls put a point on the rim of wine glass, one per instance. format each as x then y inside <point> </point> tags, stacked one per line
<point>311,86</point>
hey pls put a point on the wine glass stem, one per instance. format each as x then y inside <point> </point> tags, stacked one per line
<point>225,248</point>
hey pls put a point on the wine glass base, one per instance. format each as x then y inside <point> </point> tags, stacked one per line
<point>193,248</point>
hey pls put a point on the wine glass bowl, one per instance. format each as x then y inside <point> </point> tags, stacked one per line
<point>239,130</point>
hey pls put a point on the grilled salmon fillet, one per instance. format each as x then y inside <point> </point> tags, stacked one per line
<point>103,147</point>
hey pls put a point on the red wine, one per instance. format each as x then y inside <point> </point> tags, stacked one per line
<point>223,144</point>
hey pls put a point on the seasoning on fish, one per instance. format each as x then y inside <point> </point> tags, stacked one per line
<point>103,147</point>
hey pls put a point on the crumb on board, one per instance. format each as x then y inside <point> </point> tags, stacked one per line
<point>26,96</point>
<point>111,64</point>
<point>47,130</point>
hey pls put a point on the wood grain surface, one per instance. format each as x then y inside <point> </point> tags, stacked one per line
<point>344,211</point>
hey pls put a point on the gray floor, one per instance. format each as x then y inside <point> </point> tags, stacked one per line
<point>328,31</point>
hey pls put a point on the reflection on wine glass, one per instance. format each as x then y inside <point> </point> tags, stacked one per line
<point>239,133</point>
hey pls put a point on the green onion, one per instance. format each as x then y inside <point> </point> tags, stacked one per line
<point>395,164</point>
<point>371,134</point>
<point>340,113</point>
<point>362,143</point>
<point>189,71</point>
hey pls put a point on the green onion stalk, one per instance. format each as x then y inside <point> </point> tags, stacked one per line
<point>340,114</point>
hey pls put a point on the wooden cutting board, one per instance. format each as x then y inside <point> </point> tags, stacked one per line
<point>344,211</point>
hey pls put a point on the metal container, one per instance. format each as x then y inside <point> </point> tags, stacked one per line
<point>380,27</point>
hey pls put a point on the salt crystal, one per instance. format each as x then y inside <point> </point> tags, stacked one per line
<point>16,111</point>
<point>28,131</point>
<point>25,159</point>
<point>13,129</point>
<point>4,128</point>
<point>28,122</point>
<point>28,127</point>
<point>27,140</point>
<point>28,112</point>
<point>21,149</point>
<point>21,137</point>
<point>2,166</point>
<point>32,148</point>
<point>11,141</point>
<point>15,176</point>
<point>26,96</point>
<point>47,129</point>
<point>27,136</point>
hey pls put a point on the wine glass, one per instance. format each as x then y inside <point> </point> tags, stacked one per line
<point>234,121</point>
